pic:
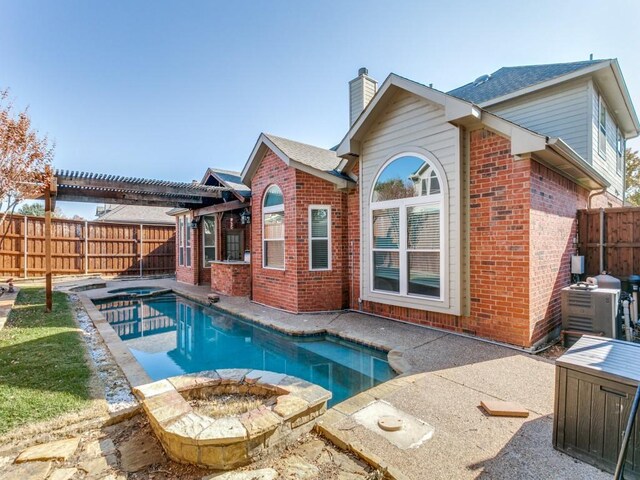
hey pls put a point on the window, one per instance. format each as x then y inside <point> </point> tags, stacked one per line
<point>319,237</point>
<point>619,151</point>
<point>602,127</point>
<point>208,240</point>
<point>234,245</point>
<point>180,240</point>
<point>406,229</point>
<point>273,229</point>
<point>187,241</point>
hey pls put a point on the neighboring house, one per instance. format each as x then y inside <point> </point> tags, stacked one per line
<point>137,214</point>
<point>455,210</point>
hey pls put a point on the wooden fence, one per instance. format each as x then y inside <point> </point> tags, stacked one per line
<point>81,247</point>
<point>616,246</point>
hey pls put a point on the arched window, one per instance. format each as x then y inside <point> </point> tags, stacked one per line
<point>273,228</point>
<point>407,228</point>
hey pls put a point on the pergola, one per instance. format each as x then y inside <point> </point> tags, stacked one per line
<point>101,188</point>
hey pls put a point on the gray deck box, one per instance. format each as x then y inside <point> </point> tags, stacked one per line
<point>596,380</point>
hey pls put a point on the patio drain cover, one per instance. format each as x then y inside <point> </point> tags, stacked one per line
<point>389,423</point>
<point>414,432</point>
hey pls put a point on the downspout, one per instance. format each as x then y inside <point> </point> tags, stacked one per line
<point>593,194</point>
<point>601,244</point>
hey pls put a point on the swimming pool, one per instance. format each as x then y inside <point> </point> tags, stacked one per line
<point>170,335</point>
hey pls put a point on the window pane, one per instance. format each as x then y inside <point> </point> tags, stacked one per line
<point>423,228</point>
<point>274,225</point>
<point>435,184</point>
<point>233,246</point>
<point>209,255</point>
<point>209,229</point>
<point>274,254</point>
<point>188,254</point>
<point>319,223</point>
<point>386,228</point>
<point>400,179</point>
<point>273,197</point>
<point>181,256</point>
<point>386,271</point>
<point>319,253</point>
<point>424,273</point>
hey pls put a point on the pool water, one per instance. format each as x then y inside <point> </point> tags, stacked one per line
<point>170,335</point>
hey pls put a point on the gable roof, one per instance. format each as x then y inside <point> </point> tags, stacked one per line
<point>135,214</point>
<point>230,179</point>
<point>321,158</point>
<point>455,110</point>
<point>321,162</point>
<point>511,79</point>
<point>524,142</point>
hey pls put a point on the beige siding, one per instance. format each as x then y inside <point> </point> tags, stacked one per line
<point>356,100</point>
<point>605,165</point>
<point>562,111</point>
<point>410,121</point>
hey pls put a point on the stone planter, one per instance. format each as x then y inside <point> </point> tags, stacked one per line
<point>229,442</point>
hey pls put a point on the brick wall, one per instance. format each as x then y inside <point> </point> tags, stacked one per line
<point>554,203</point>
<point>321,290</point>
<point>499,246</point>
<point>232,279</point>
<point>298,289</point>
<point>276,288</point>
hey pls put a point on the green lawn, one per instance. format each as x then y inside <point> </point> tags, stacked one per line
<point>43,370</point>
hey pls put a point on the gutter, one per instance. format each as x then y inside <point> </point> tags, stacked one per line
<point>560,147</point>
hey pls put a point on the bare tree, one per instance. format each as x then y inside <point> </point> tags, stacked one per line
<point>632,164</point>
<point>25,160</point>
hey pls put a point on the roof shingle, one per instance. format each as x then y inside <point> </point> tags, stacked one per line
<point>316,157</point>
<point>511,79</point>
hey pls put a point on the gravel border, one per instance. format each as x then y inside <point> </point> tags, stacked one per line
<point>117,390</point>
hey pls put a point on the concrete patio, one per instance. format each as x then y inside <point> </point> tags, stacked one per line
<point>445,376</point>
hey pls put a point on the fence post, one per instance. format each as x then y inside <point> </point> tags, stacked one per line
<point>86,247</point>
<point>26,242</point>
<point>141,249</point>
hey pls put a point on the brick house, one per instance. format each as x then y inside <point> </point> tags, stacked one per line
<point>455,210</point>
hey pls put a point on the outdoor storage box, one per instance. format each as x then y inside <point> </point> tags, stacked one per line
<point>596,381</point>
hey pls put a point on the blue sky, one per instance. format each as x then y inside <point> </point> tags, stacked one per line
<point>165,89</point>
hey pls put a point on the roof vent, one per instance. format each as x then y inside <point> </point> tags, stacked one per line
<point>481,79</point>
<point>363,71</point>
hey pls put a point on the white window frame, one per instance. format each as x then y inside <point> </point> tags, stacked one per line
<point>602,136</point>
<point>215,240</point>
<point>273,209</point>
<point>403,251</point>
<point>187,242</point>
<point>620,148</point>
<point>327,238</point>
<point>181,240</point>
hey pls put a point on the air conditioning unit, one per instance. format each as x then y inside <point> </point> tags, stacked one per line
<point>590,311</point>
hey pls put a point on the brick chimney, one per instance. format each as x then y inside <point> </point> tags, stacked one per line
<point>361,91</point>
